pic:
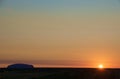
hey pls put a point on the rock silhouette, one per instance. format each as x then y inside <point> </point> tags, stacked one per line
<point>20,66</point>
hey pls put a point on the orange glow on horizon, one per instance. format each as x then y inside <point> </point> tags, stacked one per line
<point>100,66</point>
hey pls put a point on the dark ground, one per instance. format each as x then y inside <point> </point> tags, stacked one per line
<point>60,73</point>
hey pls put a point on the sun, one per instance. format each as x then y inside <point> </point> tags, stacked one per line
<point>100,66</point>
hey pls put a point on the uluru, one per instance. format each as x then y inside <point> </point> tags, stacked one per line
<point>20,66</point>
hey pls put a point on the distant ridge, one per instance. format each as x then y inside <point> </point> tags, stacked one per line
<point>20,66</point>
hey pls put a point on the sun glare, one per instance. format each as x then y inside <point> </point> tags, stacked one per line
<point>100,66</point>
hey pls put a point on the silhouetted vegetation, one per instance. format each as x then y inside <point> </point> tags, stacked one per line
<point>60,73</point>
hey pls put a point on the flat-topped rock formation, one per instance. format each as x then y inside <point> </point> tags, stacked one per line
<point>20,66</point>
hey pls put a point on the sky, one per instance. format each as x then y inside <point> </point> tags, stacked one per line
<point>60,33</point>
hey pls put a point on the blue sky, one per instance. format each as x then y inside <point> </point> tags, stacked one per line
<point>61,4</point>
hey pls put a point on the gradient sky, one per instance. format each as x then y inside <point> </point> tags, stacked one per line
<point>78,33</point>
